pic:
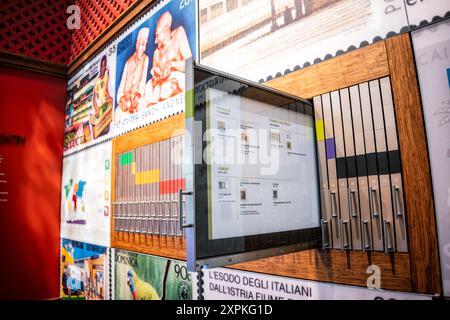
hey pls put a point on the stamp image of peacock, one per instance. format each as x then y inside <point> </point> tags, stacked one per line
<point>145,277</point>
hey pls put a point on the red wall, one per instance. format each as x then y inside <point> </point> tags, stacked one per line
<point>32,106</point>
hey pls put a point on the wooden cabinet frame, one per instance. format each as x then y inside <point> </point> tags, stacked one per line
<point>415,271</point>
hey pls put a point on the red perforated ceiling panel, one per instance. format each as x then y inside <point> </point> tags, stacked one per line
<point>96,16</point>
<point>35,29</point>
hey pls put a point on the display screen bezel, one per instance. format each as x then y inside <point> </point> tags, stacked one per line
<point>205,78</point>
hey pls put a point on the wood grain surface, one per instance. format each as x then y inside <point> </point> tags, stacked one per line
<point>343,71</point>
<point>338,266</point>
<point>423,245</point>
<point>164,246</point>
<point>155,132</point>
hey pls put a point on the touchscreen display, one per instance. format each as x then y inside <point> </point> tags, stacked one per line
<point>262,167</point>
